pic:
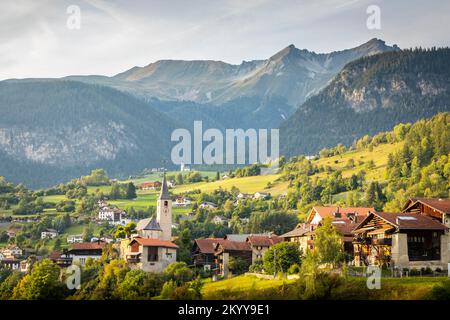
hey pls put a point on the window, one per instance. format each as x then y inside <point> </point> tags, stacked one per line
<point>166,203</point>
<point>152,254</point>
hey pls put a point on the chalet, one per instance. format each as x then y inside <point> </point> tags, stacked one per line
<point>438,209</point>
<point>344,219</point>
<point>402,240</point>
<point>152,249</point>
<point>260,244</point>
<point>203,252</point>
<point>150,185</point>
<point>226,249</point>
<point>75,238</point>
<point>61,258</point>
<point>10,263</point>
<point>80,252</point>
<point>49,234</point>
<point>150,254</point>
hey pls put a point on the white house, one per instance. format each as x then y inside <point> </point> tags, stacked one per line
<point>76,238</point>
<point>111,214</point>
<point>49,234</point>
<point>11,252</point>
<point>182,202</point>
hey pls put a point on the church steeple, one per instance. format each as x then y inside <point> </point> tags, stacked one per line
<point>164,195</point>
<point>164,211</point>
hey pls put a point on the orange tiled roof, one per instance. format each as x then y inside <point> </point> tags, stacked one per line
<point>330,210</point>
<point>150,242</point>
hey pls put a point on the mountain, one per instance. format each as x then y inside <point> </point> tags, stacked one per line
<point>370,95</point>
<point>53,130</point>
<point>289,77</point>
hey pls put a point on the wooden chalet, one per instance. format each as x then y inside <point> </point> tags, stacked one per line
<point>438,209</point>
<point>226,249</point>
<point>403,240</point>
<point>203,252</point>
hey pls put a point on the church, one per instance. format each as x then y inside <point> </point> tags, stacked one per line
<point>151,248</point>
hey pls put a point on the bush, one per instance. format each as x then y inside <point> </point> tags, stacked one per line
<point>281,257</point>
<point>441,291</point>
<point>294,269</point>
<point>414,272</point>
<point>257,266</point>
<point>238,265</point>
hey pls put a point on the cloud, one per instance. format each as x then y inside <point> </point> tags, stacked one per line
<point>115,35</point>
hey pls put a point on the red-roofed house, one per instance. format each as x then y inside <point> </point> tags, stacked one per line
<point>151,255</point>
<point>344,219</point>
<point>438,209</point>
<point>80,252</point>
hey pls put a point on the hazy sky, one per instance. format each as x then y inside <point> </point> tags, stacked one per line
<point>117,35</point>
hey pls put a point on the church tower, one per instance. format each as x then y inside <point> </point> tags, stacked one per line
<point>164,211</point>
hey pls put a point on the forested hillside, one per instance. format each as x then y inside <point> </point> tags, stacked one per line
<point>416,164</point>
<point>54,130</point>
<point>370,95</point>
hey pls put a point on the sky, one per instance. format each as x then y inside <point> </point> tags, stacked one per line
<point>37,38</point>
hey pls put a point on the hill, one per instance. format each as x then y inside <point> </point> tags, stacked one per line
<point>370,95</point>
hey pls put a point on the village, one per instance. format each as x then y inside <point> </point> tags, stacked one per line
<point>417,238</point>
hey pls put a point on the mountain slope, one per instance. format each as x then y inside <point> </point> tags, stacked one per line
<point>291,73</point>
<point>60,129</point>
<point>370,95</point>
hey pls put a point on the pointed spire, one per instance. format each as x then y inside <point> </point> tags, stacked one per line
<point>164,195</point>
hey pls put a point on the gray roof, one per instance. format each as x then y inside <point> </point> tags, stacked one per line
<point>164,195</point>
<point>243,237</point>
<point>148,224</point>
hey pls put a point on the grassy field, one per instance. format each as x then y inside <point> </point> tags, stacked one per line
<point>379,155</point>
<point>244,287</point>
<point>245,184</point>
<point>250,287</point>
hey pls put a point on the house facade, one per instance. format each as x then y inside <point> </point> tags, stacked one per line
<point>401,240</point>
<point>80,252</point>
<point>203,253</point>
<point>260,244</point>
<point>152,249</point>
<point>344,219</point>
<point>231,249</point>
<point>49,234</point>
